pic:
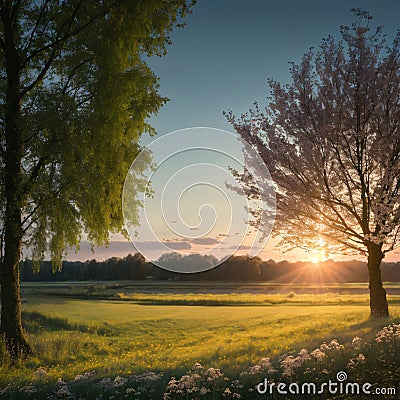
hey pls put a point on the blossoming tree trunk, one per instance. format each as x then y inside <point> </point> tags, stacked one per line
<point>378,301</point>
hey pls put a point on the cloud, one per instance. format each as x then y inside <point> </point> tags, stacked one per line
<point>242,247</point>
<point>164,240</point>
<point>116,248</point>
<point>205,241</point>
<point>159,246</point>
<point>120,248</point>
<point>181,245</point>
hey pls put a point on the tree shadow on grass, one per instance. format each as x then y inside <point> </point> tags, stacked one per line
<point>35,322</point>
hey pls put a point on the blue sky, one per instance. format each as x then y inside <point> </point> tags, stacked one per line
<point>221,61</point>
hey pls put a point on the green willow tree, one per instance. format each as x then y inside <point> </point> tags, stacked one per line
<point>75,93</point>
<point>331,141</point>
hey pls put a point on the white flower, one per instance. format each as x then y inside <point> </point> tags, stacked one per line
<point>325,371</point>
<point>361,358</point>
<point>204,390</point>
<point>213,374</point>
<point>324,347</point>
<point>106,382</point>
<point>303,353</point>
<point>357,343</point>
<point>264,364</point>
<point>290,363</point>
<point>63,391</point>
<point>354,362</point>
<point>318,355</point>
<point>119,381</point>
<point>28,389</point>
<point>388,334</point>
<point>40,372</point>
<point>334,345</point>
<point>236,384</point>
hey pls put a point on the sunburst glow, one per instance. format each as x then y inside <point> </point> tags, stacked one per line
<point>315,260</point>
<point>319,253</point>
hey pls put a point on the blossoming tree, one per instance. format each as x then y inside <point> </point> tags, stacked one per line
<point>331,141</point>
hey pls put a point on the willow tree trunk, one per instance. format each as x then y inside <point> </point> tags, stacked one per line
<point>11,324</point>
<point>378,301</point>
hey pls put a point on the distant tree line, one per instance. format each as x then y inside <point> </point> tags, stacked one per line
<point>236,268</point>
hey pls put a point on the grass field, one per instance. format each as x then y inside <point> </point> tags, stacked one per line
<point>129,332</point>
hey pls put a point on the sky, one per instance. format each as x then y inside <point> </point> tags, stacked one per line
<point>222,59</point>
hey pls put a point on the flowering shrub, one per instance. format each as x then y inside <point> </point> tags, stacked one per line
<point>198,381</point>
<point>388,334</point>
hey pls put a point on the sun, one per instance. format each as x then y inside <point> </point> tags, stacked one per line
<point>317,257</point>
<point>318,254</point>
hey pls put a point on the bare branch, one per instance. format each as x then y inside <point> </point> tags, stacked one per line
<point>37,24</point>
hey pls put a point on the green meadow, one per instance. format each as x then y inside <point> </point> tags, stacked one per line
<point>114,331</point>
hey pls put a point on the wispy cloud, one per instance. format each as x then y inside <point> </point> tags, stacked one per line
<point>207,241</point>
<point>180,245</point>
